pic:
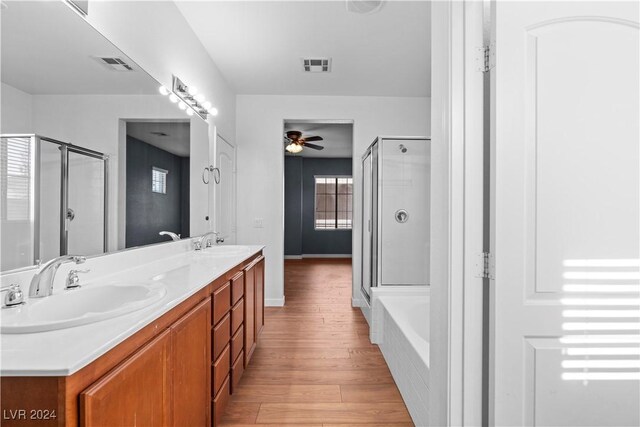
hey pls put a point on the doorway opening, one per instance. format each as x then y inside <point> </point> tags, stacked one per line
<point>318,207</point>
<point>157,180</point>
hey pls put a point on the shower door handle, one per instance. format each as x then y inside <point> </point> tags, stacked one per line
<point>70,214</point>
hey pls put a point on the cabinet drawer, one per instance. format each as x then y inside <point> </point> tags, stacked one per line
<point>221,370</point>
<point>236,372</point>
<point>221,335</point>
<point>237,343</point>
<point>221,302</point>
<point>237,315</point>
<point>237,287</point>
<point>220,402</point>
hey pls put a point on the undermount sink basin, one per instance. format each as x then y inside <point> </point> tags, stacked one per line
<point>88,304</point>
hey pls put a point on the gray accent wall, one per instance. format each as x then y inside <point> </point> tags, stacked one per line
<point>301,238</point>
<point>148,213</point>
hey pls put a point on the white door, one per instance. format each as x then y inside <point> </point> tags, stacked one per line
<point>225,190</point>
<point>566,307</point>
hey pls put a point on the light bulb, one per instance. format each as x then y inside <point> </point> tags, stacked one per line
<point>163,90</point>
<point>173,98</point>
<point>192,90</point>
<point>293,148</point>
<point>213,111</point>
<point>199,98</point>
<point>182,105</point>
<point>189,112</point>
<point>207,105</point>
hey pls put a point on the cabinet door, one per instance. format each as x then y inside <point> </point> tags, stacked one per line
<point>136,392</point>
<point>249,313</point>
<point>259,280</point>
<point>191,361</point>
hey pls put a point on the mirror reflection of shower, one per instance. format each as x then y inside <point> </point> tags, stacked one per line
<point>53,200</point>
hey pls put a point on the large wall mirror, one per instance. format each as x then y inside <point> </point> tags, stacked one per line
<point>93,158</point>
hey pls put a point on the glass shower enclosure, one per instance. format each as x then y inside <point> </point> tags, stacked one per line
<point>54,200</point>
<point>395,212</point>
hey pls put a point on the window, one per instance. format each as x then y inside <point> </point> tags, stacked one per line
<point>16,180</point>
<point>334,204</point>
<point>159,180</point>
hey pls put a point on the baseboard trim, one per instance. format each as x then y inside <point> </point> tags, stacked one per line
<point>293,257</point>
<point>274,302</point>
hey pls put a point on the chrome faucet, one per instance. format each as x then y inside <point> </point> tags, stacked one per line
<point>42,282</point>
<point>173,235</point>
<point>205,242</point>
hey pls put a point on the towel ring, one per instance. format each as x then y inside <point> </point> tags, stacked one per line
<point>208,170</point>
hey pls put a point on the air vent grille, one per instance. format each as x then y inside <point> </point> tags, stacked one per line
<point>115,64</point>
<point>316,65</point>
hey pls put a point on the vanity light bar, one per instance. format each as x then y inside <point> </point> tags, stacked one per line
<point>189,99</point>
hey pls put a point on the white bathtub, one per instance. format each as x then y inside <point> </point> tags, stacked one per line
<point>401,329</point>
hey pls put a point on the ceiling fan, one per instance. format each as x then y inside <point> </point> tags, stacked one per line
<point>295,142</point>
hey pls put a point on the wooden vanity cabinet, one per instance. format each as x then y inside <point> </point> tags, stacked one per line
<point>137,392</point>
<point>191,376</point>
<point>259,283</point>
<point>253,306</point>
<point>249,312</point>
<point>179,370</point>
<point>166,382</point>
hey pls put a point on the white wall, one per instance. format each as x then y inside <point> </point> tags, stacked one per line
<point>261,162</point>
<point>16,110</point>
<point>95,122</point>
<point>158,38</point>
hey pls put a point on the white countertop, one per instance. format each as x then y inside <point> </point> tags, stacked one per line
<point>63,352</point>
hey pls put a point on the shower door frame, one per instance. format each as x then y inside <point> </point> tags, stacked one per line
<point>65,149</point>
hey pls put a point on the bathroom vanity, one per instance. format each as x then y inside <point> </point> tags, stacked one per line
<point>174,363</point>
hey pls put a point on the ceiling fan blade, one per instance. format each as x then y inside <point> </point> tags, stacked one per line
<point>313,138</point>
<point>313,146</point>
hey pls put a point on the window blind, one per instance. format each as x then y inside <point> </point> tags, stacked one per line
<point>15,178</point>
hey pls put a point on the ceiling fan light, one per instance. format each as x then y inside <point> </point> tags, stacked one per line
<point>293,148</point>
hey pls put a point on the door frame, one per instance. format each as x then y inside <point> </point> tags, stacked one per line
<point>458,378</point>
<point>355,221</point>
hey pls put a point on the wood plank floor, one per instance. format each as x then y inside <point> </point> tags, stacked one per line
<point>314,364</point>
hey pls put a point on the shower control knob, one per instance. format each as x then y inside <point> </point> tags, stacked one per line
<point>402,216</point>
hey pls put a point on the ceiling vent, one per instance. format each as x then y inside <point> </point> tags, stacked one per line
<point>316,65</point>
<point>114,64</point>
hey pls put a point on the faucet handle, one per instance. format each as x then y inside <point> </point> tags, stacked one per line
<point>78,259</point>
<point>73,281</point>
<point>14,296</point>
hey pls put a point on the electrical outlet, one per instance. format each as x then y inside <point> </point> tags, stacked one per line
<point>257,223</point>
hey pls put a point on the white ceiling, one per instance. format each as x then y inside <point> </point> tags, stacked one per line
<point>176,141</point>
<point>47,49</point>
<point>258,46</point>
<point>337,142</point>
